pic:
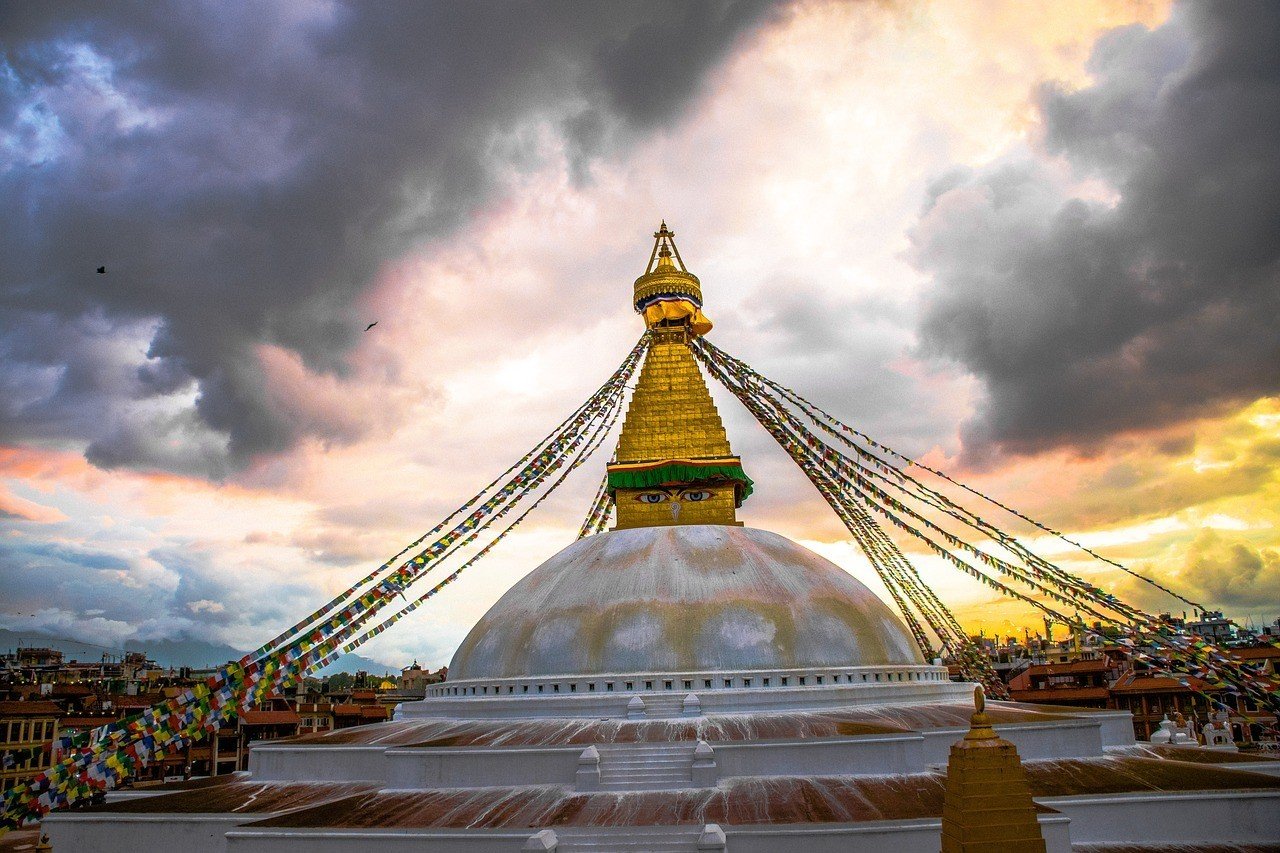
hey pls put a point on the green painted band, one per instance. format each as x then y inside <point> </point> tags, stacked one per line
<point>647,478</point>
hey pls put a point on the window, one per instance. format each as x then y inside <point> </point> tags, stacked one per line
<point>785,679</point>
<point>819,679</point>
<point>802,681</point>
<point>524,688</point>
<point>728,682</point>
<point>666,685</point>
<point>766,682</point>
<point>573,688</point>
<point>864,676</point>
<point>608,686</point>
<point>648,685</point>
<point>511,688</point>
<point>631,685</point>
<point>540,688</point>
<point>706,682</point>
<point>688,684</point>
<point>746,682</point>
<point>591,687</point>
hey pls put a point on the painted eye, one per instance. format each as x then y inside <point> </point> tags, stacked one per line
<point>696,496</point>
<point>651,497</point>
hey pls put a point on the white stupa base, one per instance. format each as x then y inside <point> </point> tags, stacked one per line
<point>666,694</point>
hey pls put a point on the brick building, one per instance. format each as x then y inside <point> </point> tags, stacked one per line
<point>1082,683</point>
<point>25,726</point>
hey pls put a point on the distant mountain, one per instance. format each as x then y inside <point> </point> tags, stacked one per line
<point>167,653</point>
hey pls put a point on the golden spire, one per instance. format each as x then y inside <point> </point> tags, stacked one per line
<point>673,464</point>
<point>987,807</point>
<point>668,294</point>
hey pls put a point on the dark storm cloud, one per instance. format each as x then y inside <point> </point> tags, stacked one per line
<point>243,170</point>
<point>1085,318</point>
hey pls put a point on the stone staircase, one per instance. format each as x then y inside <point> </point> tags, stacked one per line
<point>646,766</point>
<point>663,705</point>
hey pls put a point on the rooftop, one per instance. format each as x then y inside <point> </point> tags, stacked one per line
<point>1132,682</point>
<point>1256,653</point>
<point>237,794</point>
<point>1075,667</point>
<point>844,722</point>
<point>747,801</point>
<point>1059,694</point>
<point>37,708</point>
<point>269,718</point>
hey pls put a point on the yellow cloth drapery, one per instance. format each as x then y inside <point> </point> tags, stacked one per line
<point>677,309</point>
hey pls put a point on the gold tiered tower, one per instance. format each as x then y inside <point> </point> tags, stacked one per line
<point>673,464</point>
<point>987,807</point>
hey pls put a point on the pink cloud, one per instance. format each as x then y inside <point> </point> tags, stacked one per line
<point>12,505</point>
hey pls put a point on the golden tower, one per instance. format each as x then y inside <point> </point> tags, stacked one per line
<point>987,807</point>
<point>673,464</point>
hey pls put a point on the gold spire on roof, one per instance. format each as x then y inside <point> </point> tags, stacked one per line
<point>987,807</point>
<point>673,464</point>
<point>667,293</point>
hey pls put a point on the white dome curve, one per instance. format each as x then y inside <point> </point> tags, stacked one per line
<point>682,599</point>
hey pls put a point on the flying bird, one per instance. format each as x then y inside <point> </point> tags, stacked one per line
<point>371,325</point>
<point>102,270</point>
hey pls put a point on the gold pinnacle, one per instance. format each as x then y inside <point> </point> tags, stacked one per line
<point>980,724</point>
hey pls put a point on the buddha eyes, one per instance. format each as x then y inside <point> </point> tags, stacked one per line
<point>694,496</point>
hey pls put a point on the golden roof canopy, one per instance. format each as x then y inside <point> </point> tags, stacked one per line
<point>666,274</point>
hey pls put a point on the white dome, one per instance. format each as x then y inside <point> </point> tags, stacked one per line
<point>682,599</point>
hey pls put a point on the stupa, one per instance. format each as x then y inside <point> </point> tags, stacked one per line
<point>683,682</point>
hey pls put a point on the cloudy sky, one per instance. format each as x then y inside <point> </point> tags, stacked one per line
<point>1036,243</point>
